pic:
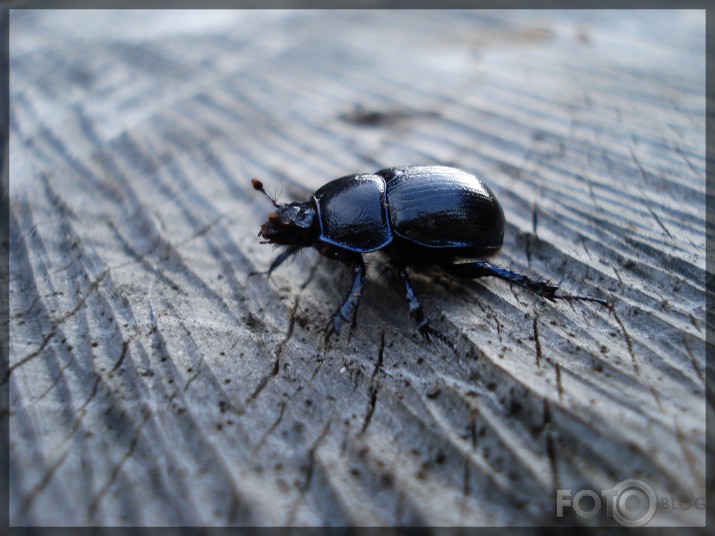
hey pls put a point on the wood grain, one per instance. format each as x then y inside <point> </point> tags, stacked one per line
<point>153,381</point>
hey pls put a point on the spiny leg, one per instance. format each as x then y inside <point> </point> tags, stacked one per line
<point>418,314</point>
<point>414,305</point>
<point>472,270</point>
<point>280,259</point>
<point>348,309</point>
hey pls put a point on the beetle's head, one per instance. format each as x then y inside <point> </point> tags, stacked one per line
<point>291,224</point>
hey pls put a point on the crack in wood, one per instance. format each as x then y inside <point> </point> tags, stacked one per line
<point>35,491</point>
<point>473,433</point>
<point>309,469</point>
<point>537,343</point>
<point>656,397</point>
<point>496,320</point>
<point>550,447</point>
<point>122,355</point>
<point>557,367</point>
<point>55,381</point>
<point>693,361</point>
<point>629,344</point>
<point>466,487</point>
<point>658,221</point>
<point>94,503</point>
<point>55,324</point>
<point>289,333</point>
<point>694,322</point>
<point>645,197</point>
<point>271,429</point>
<point>139,257</point>
<point>40,486</point>
<point>593,196</point>
<point>466,477</point>
<point>83,409</point>
<point>374,384</point>
<point>279,349</point>
<point>620,281</point>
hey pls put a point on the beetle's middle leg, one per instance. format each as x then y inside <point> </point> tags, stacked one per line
<point>416,312</point>
<point>348,310</point>
<point>415,307</point>
<point>473,270</point>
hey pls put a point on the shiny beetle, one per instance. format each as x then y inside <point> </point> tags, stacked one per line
<point>418,216</point>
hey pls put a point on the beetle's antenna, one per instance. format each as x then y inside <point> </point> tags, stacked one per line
<point>258,185</point>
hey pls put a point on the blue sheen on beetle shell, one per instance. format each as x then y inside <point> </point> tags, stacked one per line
<point>352,213</point>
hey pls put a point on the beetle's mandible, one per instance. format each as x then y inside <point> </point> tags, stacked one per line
<point>417,215</point>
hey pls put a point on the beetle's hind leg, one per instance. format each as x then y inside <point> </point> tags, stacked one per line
<point>473,270</point>
<point>348,310</point>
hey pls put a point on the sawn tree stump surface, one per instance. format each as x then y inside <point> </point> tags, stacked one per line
<point>154,381</point>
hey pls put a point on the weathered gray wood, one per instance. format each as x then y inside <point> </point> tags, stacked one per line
<point>153,382</point>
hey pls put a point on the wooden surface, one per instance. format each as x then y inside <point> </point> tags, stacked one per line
<point>153,382</point>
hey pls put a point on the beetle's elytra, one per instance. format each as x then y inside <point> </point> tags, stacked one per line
<point>417,215</point>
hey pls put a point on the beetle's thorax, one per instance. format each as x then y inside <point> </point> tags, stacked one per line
<point>292,224</point>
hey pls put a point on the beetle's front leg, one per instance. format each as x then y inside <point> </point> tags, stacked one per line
<point>280,259</point>
<point>348,309</point>
<point>472,270</point>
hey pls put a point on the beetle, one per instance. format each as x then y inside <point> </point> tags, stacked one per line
<point>418,216</point>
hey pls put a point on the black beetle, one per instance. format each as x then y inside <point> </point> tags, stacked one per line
<point>417,215</point>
